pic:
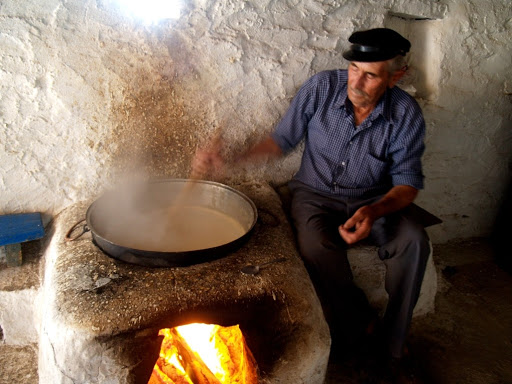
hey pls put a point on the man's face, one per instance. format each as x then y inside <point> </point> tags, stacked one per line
<point>367,82</point>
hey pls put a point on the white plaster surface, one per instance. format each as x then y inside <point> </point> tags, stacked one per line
<point>19,316</point>
<point>89,95</point>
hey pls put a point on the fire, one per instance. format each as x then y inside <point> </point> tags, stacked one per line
<point>204,354</point>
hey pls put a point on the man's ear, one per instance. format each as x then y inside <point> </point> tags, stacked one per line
<point>397,75</point>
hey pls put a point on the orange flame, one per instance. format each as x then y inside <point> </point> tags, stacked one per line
<point>204,354</point>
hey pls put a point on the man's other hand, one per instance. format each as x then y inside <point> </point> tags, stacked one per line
<point>358,227</point>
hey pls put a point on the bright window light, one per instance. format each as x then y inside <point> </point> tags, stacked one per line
<point>152,11</point>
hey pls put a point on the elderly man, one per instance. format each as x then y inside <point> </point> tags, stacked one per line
<point>360,170</point>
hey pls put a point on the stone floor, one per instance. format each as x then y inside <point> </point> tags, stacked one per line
<point>468,340</point>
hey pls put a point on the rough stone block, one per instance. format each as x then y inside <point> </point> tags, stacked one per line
<point>18,316</point>
<point>369,272</point>
<point>19,298</point>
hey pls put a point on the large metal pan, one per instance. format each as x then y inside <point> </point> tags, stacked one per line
<point>143,223</point>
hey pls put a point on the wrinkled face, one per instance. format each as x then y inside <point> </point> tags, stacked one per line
<point>367,82</point>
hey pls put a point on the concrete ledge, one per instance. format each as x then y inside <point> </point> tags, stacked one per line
<point>20,288</point>
<point>369,273</point>
<point>19,317</point>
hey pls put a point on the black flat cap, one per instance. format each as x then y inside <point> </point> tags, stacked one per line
<point>377,44</point>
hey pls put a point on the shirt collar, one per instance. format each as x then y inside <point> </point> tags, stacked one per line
<point>383,106</point>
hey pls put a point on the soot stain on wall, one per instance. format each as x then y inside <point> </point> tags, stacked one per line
<point>160,118</point>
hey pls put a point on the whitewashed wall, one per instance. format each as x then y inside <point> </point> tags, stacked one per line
<point>89,95</point>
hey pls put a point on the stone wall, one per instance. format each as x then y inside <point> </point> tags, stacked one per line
<point>90,95</point>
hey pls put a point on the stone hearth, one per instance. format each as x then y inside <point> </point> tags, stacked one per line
<point>101,316</point>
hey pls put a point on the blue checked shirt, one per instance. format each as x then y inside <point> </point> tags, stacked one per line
<point>342,159</point>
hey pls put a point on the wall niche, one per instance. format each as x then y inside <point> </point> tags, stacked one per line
<point>424,60</point>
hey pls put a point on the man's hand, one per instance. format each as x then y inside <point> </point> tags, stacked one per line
<point>358,227</point>
<point>208,159</point>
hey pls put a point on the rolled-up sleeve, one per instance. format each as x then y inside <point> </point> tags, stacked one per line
<point>407,149</point>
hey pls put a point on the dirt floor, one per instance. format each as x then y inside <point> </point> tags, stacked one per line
<point>468,340</point>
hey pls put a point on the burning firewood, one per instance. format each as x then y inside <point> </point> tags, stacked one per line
<point>179,363</point>
<point>194,366</point>
<point>236,358</point>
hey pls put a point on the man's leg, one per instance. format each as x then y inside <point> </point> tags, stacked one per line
<point>404,248</point>
<point>316,219</point>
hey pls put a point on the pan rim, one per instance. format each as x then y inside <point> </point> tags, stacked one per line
<point>161,253</point>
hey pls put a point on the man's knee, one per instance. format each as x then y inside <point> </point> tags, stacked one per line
<point>411,240</point>
<point>418,240</point>
<point>315,246</point>
<point>316,235</point>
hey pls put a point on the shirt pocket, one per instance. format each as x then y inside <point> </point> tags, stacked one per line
<point>317,140</point>
<point>370,171</point>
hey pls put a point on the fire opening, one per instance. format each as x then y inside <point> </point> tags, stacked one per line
<point>204,354</point>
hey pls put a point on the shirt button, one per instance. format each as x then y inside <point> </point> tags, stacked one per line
<point>350,142</point>
<point>343,163</point>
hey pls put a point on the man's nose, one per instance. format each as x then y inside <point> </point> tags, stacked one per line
<point>358,82</point>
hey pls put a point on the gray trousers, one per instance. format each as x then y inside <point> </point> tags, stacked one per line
<point>403,246</point>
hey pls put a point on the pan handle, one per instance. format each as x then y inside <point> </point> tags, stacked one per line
<point>85,229</point>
